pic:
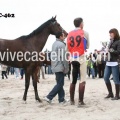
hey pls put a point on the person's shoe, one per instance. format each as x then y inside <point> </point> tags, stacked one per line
<point>16,78</point>
<point>109,96</point>
<point>48,100</point>
<point>117,87</point>
<point>115,98</point>
<point>81,103</point>
<point>109,87</point>
<point>72,102</point>
<point>63,103</point>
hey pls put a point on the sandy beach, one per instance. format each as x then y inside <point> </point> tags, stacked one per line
<point>97,108</point>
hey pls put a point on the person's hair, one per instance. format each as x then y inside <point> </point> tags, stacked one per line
<point>116,33</point>
<point>77,22</point>
<point>59,34</point>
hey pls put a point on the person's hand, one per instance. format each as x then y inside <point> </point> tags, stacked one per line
<point>66,70</point>
<point>111,50</point>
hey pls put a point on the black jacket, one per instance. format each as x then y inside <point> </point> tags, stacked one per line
<point>114,56</point>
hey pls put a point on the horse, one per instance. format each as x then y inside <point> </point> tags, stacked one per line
<point>32,43</point>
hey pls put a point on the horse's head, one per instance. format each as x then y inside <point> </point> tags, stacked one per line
<point>55,27</point>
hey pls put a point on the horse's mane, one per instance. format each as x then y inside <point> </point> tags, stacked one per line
<point>38,30</point>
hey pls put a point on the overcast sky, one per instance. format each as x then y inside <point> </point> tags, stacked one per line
<point>99,17</point>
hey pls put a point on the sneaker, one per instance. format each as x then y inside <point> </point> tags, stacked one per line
<point>64,102</point>
<point>48,100</point>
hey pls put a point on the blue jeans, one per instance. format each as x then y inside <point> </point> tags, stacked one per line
<point>92,72</point>
<point>16,72</point>
<point>58,88</point>
<point>49,69</point>
<point>114,70</point>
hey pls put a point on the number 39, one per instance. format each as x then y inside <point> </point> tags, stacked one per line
<point>77,39</point>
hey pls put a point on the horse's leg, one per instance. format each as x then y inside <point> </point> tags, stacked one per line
<point>38,74</point>
<point>35,79</point>
<point>27,82</point>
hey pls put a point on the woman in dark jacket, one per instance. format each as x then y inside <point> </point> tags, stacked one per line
<point>112,66</point>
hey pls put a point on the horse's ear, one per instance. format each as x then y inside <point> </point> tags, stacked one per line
<point>55,17</point>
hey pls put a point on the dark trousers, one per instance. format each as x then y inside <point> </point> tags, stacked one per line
<point>95,68</point>
<point>45,70</point>
<point>4,74</point>
<point>101,68</point>
<point>8,70</point>
<point>68,75</point>
<point>88,71</point>
<point>22,72</point>
<point>75,71</point>
<point>58,88</point>
<point>12,70</point>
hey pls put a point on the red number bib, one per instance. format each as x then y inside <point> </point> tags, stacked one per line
<point>75,41</point>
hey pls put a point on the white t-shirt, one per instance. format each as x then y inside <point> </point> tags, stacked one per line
<point>112,63</point>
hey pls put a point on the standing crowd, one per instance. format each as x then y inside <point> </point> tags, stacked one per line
<point>96,64</point>
<point>6,71</point>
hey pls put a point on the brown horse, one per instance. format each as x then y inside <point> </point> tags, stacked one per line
<point>32,43</point>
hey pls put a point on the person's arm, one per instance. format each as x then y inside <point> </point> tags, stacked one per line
<point>93,59</point>
<point>117,51</point>
<point>87,38</point>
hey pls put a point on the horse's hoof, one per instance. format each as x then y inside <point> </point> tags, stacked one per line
<point>24,98</point>
<point>39,100</point>
<point>24,102</point>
